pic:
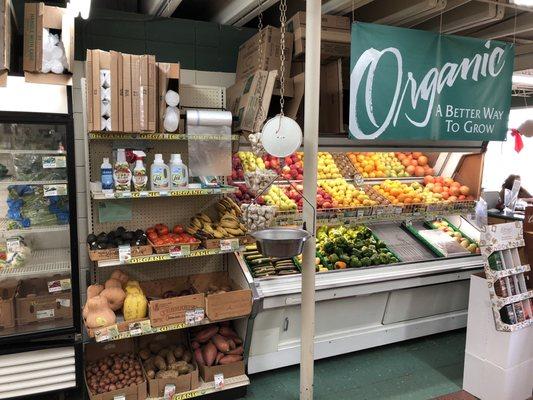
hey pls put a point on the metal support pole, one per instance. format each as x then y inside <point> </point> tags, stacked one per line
<point>311,109</point>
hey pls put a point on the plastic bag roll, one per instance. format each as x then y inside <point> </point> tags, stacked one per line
<point>171,120</point>
<point>105,109</point>
<point>208,118</point>
<point>105,78</point>
<point>172,98</point>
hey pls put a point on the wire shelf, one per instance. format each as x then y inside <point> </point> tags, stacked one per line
<point>42,262</point>
<point>4,231</point>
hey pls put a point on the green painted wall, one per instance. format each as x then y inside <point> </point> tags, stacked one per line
<point>195,44</point>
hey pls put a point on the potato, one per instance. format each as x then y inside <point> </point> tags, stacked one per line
<point>163,352</point>
<point>170,358</point>
<point>145,354</point>
<point>150,374</point>
<point>155,347</point>
<point>187,356</point>
<point>183,369</point>
<point>178,352</point>
<point>160,363</point>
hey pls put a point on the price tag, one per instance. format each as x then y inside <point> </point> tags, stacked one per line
<point>63,302</point>
<point>219,381</point>
<point>170,390</point>
<point>45,314</point>
<point>125,195</point>
<point>180,251</point>
<point>124,253</point>
<point>135,329</point>
<point>163,193</point>
<point>109,195</point>
<point>54,162</point>
<point>360,213</point>
<point>190,317</point>
<point>119,397</point>
<point>13,245</point>
<point>199,314</point>
<point>379,211</point>
<point>229,244</point>
<point>143,194</point>
<point>55,190</point>
<point>107,333</point>
<point>59,285</point>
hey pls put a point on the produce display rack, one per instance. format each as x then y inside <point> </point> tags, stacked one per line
<point>48,261</point>
<point>172,207</point>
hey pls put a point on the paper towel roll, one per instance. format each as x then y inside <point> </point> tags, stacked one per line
<point>209,118</point>
<point>172,98</point>
<point>105,109</point>
<point>105,124</point>
<point>105,78</point>
<point>105,94</point>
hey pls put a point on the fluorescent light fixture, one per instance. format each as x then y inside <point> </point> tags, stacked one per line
<point>524,80</point>
<point>524,3</point>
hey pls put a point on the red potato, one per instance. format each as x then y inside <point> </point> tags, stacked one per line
<point>205,334</point>
<point>221,343</point>
<point>209,353</point>
<point>230,359</point>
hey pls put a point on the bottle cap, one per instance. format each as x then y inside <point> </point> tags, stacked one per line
<point>105,160</point>
<point>175,158</point>
<point>158,158</point>
<point>121,155</point>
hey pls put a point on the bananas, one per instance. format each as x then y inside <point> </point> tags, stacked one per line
<point>228,225</point>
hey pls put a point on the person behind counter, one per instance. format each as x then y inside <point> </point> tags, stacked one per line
<point>523,194</point>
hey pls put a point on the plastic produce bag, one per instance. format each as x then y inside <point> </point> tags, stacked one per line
<point>208,157</point>
<point>32,167</point>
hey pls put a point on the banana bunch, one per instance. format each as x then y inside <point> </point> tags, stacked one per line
<point>227,205</point>
<point>227,227</point>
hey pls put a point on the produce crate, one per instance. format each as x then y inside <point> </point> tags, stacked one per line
<point>216,243</point>
<point>112,254</point>
<point>431,225</point>
<point>165,248</point>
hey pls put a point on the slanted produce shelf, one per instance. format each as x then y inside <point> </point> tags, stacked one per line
<point>156,136</point>
<point>365,215</point>
<point>165,193</point>
<point>143,327</point>
<point>209,387</point>
<point>4,231</point>
<point>166,257</point>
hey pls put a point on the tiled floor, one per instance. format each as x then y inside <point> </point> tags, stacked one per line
<point>419,369</point>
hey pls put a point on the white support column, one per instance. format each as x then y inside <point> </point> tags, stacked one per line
<point>311,108</point>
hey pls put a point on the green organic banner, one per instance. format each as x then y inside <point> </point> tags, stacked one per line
<point>408,85</point>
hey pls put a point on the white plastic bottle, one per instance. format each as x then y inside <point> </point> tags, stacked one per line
<point>121,172</point>
<point>179,173</point>
<point>106,176</point>
<point>140,176</point>
<point>159,174</point>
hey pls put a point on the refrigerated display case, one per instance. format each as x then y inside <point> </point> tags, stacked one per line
<point>366,306</point>
<point>40,342</point>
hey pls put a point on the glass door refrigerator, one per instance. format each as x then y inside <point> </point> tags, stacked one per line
<point>40,340</point>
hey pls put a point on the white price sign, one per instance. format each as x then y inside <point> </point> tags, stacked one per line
<point>55,190</point>
<point>189,317</point>
<point>54,162</point>
<point>135,329</point>
<point>219,381</point>
<point>180,251</point>
<point>229,244</point>
<point>124,253</point>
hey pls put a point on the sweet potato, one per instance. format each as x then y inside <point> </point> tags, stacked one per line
<point>231,343</point>
<point>221,343</point>
<point>209,353</point>
<point>229,359</point>
<point>236,351</point>
<point>205,334</point>
<point>219,357</point>
<point>198,356</point>
<point>227,331</point>
<point>195,344</point>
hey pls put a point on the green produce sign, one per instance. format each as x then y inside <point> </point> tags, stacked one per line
<point>411,85</point>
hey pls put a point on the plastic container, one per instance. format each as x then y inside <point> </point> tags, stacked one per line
<point>106,176</point>
<point>121,172</point>
<point>140,176</point>
<point>179,174</point>
<point>159,174</point>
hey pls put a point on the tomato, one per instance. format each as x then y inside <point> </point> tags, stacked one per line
<point>178,229</point>
<point>162,229</point>
<point>150,230</point>
<point>152,236</point>
<point>177,240</point>
<point>192,240</point>
<point>157,241</point>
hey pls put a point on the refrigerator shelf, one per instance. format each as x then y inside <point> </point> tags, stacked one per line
<point>209,387</point>
<point>7,151</point>
<point>42,262</point>
<point>166,257</point>
<point>4,222</point>
<point>10,181</point>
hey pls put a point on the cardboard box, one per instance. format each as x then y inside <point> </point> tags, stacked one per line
<point>100,60</point>
<point>328,49</point>
<point>293,105</point>
<point>171,310</point>
<point>5,37</point>
<point>183,383</point>
<point>328,23</point>
<point>136,93</point>
<point>229,371</point>
<point>331,98</point>
<point>37,16</point>
<point>143,90</point>
<point>120,90</point>
<point>248,60</point>
<point>95,352</point>
<point>89,88</point>
<point>168,78</point>
<point>34,303</point>
<point>8,289</point>
<point>127,119</point>
<point>237,303</point>
<point>243,99</point>
<point>288,89</point>
<point>152,94</point>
